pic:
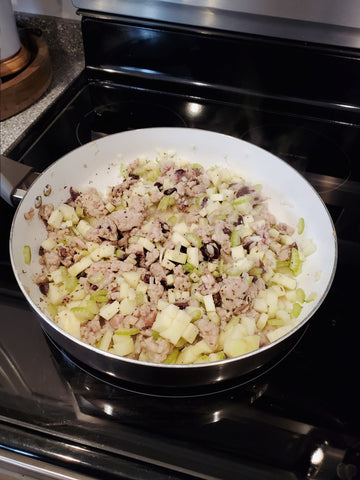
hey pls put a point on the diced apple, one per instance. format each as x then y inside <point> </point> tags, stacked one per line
<point>109,310</point>
<point>58,275</point>
<point>272,302</point>
<point>110,207</point>
<point>171,296</point>
<point>175,256</point>
<point>55,219</point>
<point>190,333</point>
<point>281,331</point>
<point>284,280</point>
<point>260,305</point>
<point>181,227</point>
<point>239,346</point>
<point>193,256</point>
<point>69,213</point>
<point>49,244</point>
<point>211,357</point>
<point>146,243</point>
<point>83,226</point>
<point>308,247</point>
<point>56,293</point>
<point>78,294</point>
<point>170,279</point>
<point>105,341</point>
<point>178,238</point>
<point>104,251</point>
<point>250,324</point>
<point>244,264</point>
<point>191,352</point>
<point>165,317</point>
<point>167,264</point>
<point>161,304</point>
<point>262,320</point>
<point>132,278</point>
<point>127,306</point>
<point>124,345</point>
<point>238,252</point>
<point>209,303</point>
<point>68,322</point>
<point>177,328</point>
<point>80,266</point>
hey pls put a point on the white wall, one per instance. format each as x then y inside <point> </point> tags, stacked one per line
<point>55,8</point>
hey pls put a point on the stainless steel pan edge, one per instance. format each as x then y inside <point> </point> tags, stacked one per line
<point>97,164</point>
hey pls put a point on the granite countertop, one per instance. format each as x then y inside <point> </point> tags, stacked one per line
<point>65,45</point>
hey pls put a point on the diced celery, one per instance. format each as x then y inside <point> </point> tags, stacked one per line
<point>295,262</point>
<point>124,345</point>
<point>242,199</point>
<point>79,211</point>
<point>82,313</point>
<point>300,295</point>
<point>235,238</point>
<point>127,331</point>
<point>194,239</point>
<point>100,296</point>
<point>27,254</point>
<point>282,263</point>
<point>119,253</point>
<point>165,202</point>
<point>194,312</point>
<point>188,267</point>
<point>70,283</point>
<point>52,309</point>
<point>172,220</point>
<point>171,358</point>
<point>296,310</point>
<point>300,226</point>
<point>140,298</point>
<point>311,297</point>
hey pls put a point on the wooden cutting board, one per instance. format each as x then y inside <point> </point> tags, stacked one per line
<point>25,78</point>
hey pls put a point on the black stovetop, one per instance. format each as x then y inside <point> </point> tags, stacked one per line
<point>299,418</point>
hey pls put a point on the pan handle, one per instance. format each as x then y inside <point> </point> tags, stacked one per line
<point>15,178</point>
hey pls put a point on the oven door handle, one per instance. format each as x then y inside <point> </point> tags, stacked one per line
<point>15,179</point>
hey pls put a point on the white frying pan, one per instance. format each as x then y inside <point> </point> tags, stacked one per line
<point>97,164</point>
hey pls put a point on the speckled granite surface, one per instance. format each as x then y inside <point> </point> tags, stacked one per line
<point>66,53</point>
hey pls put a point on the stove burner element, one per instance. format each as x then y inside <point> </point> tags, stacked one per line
<point>314,155</point>
<point>118,117</point>
<point>78,373</point>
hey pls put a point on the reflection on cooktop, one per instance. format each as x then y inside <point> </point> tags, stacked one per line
<point>306,150</point>
<point>127,115</point>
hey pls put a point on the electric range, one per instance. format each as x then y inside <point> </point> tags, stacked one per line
<point>299,417</point>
